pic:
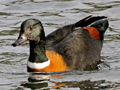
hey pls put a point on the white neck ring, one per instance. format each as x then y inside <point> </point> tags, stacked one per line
<point>34,65</point>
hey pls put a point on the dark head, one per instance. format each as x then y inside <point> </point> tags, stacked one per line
<point>32,30</point>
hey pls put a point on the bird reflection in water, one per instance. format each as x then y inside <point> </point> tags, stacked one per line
<point>43,82</point>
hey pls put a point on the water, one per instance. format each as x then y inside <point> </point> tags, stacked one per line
<point>54,14</point>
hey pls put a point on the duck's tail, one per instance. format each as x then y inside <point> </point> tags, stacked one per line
<point>88,20</point>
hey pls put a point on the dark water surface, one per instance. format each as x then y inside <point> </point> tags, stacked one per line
<point>54,14</point>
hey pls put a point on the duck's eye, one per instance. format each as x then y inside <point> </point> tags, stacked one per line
<point>31,27</point>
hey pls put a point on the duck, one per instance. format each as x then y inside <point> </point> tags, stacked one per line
<point>72,47</point>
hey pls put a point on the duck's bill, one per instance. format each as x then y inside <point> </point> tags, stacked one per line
<point>21,39</point>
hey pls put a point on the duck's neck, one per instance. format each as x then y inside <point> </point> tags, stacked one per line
<point>37,52</point>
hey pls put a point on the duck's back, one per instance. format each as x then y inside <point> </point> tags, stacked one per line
<point>58,35</point>
<point>79,50</point>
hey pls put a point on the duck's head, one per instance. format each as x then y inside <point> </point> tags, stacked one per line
<point>32,30</point>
